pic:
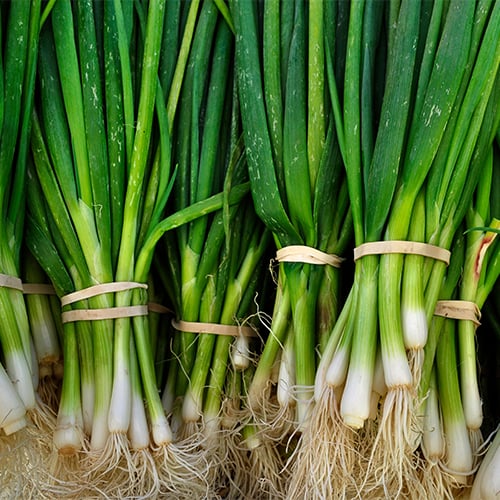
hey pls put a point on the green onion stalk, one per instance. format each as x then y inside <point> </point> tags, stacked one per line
<point>19,373</point>
<point>480,275</point>
<point>452,438</point>
<point>432,445</point>
<point>298,190</point>
<point>43,309</point>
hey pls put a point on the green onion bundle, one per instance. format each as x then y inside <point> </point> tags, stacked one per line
<point>215,263</point>
<point>100,179</point>
<point>412,165</point>
<point>98,186</point>
<point>20,23</point>
<point>297,186</point>
<point>452,431</point>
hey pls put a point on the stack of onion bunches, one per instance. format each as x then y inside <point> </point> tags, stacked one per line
<point>249,249</point>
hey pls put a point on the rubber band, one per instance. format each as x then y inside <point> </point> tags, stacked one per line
<point>401,246</point>
<point>38,289</point>
<point>458,309</point>
<point>8,281</point>
<point>214,328</point>
<point>307,255</point>
<point>101,288</point>
<point>108,313</point>
<point>159,308</point>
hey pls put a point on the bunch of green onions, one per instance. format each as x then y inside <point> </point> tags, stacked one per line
<point>215,263</point>
<point>412,165</point>
<point>98,186</point>
<point>453,415</point>
<point>297,186</point>
<point>20,24</point>
<point>99,182</point>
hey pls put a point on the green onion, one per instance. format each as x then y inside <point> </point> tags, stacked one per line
<point>45,328</point>
<point>486,480</point>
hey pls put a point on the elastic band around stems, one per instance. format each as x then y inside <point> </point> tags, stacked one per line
<point>307,255</point>
<point>108,313</point>
<point>405,247</point>
<point>213,328</point>
<point>101,288</point>
<point>8,281</point>
<point>458,309</point>
<point>38,289</point>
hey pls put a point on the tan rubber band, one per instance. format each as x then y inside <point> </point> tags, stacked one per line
<point>101,288</point>
<point>400,246</point>
<point>108,313</point>
<point>38,289</point>
<point>307,255</point>
<point>231,330</point>
<point>14,282</point>
<point>458,309</point>
<point>159,308</point>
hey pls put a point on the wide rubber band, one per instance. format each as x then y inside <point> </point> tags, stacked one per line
<point>458,309</point>
<point>101,288</point>
<point>405,247</point>
<point>107,313</point>
<point>213,328</point>
<point>307,255</point>
<point>8,281</point>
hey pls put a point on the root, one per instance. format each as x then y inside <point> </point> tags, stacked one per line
<point>267,475</point>
<point>65,477</point>
<point>436,481</point>
<point>143,475</point>
<point>49,391</point>
<point>183,469</point>
<point>415,362</point>
<point>393,467</point>
<point>109,471</point>
<point>59,477</point>
<point>326,462</point>
<point>20,464</point>
<point>233,478</point>
<point>27,457</point>
<point>274,421</point>
<point>249,456</point>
